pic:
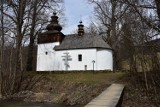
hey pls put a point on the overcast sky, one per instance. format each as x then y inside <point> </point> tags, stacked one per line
<point>76,10</point>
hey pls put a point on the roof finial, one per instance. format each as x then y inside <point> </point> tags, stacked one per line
<point>80,22</point>
<point>54,13</point>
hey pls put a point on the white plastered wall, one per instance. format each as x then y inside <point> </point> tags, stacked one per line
<point>53,60</point>
<point>88,55</point>
<point>46,56</point>
<point>104,59</point>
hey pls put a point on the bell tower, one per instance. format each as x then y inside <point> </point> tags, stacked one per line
<point>53,33</point>
<point>46,44</point>
<point>80,29</point>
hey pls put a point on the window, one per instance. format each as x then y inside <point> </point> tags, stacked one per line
<point>80,57</point>
<point>46,53</point>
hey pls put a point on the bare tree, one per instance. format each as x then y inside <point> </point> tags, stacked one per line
<point>148,11</point>
<point>109,13</point>
<point>20,20</point>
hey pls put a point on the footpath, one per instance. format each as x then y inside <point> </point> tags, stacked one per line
<point>111,97</point>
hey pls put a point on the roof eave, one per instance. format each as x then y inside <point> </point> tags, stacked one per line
<point>83,48</point>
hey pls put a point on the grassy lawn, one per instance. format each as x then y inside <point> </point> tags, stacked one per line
<point>88,77</point>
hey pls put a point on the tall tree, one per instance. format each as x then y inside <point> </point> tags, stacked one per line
<point>21,19</point>
<point>148,11</point>
<point>109,13</point>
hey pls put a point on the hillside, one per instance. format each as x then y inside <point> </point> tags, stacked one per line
<point>68,88</point>
<point>78,88</point>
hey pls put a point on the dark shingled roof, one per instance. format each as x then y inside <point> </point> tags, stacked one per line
<point>75,41</point>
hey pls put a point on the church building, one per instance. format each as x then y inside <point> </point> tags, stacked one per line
<point>81,51</point>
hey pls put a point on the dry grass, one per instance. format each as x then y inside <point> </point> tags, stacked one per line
<point>74,87</point>
<point>137,95</point>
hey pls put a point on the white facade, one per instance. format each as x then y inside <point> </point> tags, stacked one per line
<point>46,56</point>
<point>50,60</point>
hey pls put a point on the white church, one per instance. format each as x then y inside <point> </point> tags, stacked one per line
<point>59,52</point>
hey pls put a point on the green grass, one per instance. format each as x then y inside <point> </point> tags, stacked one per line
<point>82,77</point>
<point>88,77</point>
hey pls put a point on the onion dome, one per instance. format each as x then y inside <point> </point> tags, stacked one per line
<point>54,25</point>
<point>80,29</point>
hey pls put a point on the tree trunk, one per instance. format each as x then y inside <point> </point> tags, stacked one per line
<point>158,8</point>
<point>19,37</point>
<point>30,56</point>
<point>32,38</point>
<point>114,35</point>
<point>2,50</point>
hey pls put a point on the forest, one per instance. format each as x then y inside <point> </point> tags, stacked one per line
<point>130,27</point>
